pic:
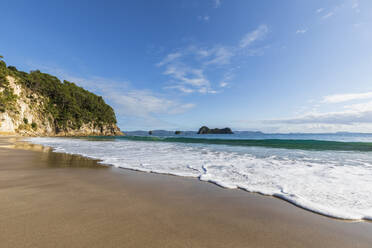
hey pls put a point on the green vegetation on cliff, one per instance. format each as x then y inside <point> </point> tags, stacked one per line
<point>7,97</point>
<point>68,104</point>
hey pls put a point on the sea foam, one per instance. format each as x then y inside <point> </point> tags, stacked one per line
<point>333,183</point>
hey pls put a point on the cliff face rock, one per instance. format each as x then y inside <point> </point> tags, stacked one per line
<point>206,130</point>
<point>29,111</point>
<point>91,130</point>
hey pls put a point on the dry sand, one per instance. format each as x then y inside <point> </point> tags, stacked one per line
<point>57,200</point>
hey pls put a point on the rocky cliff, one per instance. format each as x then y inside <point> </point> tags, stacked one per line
<point>38,104</point>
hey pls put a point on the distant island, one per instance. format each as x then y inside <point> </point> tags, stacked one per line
<point>39,104</point>
<point>206,130</point>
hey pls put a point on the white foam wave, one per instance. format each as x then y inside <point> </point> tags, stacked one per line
<point>336,184</point>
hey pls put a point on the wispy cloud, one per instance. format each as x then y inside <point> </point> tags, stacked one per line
<point>217,3</point>
<point>347,117</point>
<point>365,106</point>
<point>328,15</point>
<point>204,18</point>
<point>169,58</point>
<point>337,9</point>
<point>218,55</point>
<point>256,34</point>
<point>144,103</point>
<point>181,88</point>
<point>188,79</point>
<point>185,78</point>
<point>301,31</point>
<point>224,84</point>
<point>133,102</point>
<point>355,117</point>
<point>346,97</point>
<point>189,67</point>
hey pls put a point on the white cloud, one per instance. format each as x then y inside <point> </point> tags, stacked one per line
<point>346,97</point>
<point>328,15</point>
<point>347,117</point>
<point>342,7</point>
<point>301,31</point>
<point>220,55</point>
<point>366,106</point>
<point>251,37</point>
<point>181,88</point>
<point>223,84</point>
<point>169,58</point>
<point>320,128</point>
<point>193,77</point>
<point>134,102</point>
<point>188,68</point>
<point>202,52</point>
<point>188,79</point>
<point>204,18</point>
<point>144,103</point>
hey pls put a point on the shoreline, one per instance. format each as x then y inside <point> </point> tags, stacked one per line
<point>138,209</point>
<point>301,203</point>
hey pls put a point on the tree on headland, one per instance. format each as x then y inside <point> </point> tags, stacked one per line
<point>68,105</point>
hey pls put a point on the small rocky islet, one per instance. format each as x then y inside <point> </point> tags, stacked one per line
<point>206,130</point>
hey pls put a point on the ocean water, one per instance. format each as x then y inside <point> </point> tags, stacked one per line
<point>330,174</point>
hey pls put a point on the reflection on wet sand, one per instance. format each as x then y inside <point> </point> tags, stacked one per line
<point>53,159</point>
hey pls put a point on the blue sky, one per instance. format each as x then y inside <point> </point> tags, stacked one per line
<point>274,66</point>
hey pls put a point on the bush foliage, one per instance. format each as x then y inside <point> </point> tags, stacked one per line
<point>70,105</point>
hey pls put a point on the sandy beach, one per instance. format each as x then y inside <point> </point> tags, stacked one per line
<point>50,199</point>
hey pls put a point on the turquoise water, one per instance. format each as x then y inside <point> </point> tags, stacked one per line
<point>319,145</point>
<point>318,142</point>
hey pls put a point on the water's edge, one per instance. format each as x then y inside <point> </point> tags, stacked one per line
<point>300,203</point>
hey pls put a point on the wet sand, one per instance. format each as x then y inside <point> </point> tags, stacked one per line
<point>49,199</point>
